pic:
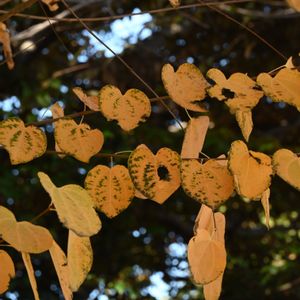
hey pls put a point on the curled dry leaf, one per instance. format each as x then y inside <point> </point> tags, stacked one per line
<point>187,86</point>
<point>144,166</point>
<point>80,259</point>
<point>73,205</point>
<point>78,140</point>
<point>243,96</point>
<point>31,276</point>
<point>194,137</point>
<point>5,41</point>
<point>287,166</point>
<point>283,87</point>
<point>111,189</point>
<point>252,170</point>
<point>92,102</point>
<point>7,271</point>
<point>59,260</point>
<point>129,109</point>
<point>206,256</point>
<point>295,4</point>
<point>52,4</point>
<point>210,183</point>
<point>22,143</point>
<point>266,205</point>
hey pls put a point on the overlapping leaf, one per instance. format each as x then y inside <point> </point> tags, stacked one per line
<point>74,207</point>
<point>129,109</point>
<point>7,271</point>
<point>22,143</point>
<point>5,41</point>
<point>244,96</point>
<point>92,102</point>
<point>187,86</point>
<point>78,140</point>
<point>57,112</point>
<point>251,170</point>
<point>110,188</point>
<point>143,168</point>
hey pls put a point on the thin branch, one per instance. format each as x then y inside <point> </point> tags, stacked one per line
<point>101,155</point>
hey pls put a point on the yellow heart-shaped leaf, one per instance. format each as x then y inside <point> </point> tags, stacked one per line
<point>78,140</point>
<point>144,170</point>
<point>187,86</point>
<point>251,170</point>
<point>210,183</point>
<point>92,102</point>
<point>110,188</point>
<point>129,109</point>
<point>287,166</point>
<point>22,143</point>
<point>7,271</point>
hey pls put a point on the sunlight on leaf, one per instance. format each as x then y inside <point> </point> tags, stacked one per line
<point>92,102</point>
<point>7,271</point>
<point>5,41</point>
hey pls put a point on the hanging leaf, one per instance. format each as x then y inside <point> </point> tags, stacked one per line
<point>7,271</point>
<point>110,188</point>
<point>210,183</point>
<point>60,263</point>
<point>6,215</point>
<point>52,4</point>
<point>252,170</point>
<point>194,137</point>
<point>144,169</point>
<point>206,256</point>
<point>187,86</point>
<point>5,41</point>
<point>295,4</point>
<point>129,109</point>
<point>265,203</point>
<point>78,140</point>
<point>22,143</point>
<point>92,102</point>
<point>283,87</point>
<point>287,166</point>
<point>80,259</point>
<point>31,276</point>
<point>175,3</point>
<point>240,94</point>
<point>73,205</point>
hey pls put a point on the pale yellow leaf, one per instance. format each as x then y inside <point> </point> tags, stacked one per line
<point>5,41</point>
<point>74,206</point>
<point>78,140</point>
<point>206,256</point>
<point>60,263</point>
<point>31,276</point>
<point>285,86</point>
<point>187,86</point>
<point>244,96</point>
<point>80,259</point>
<point>110,188</point>
<point>92,102</point>
<point>144,168</point>
<point>212,290</point>
<point>52,4</point>
<point>295,4</point>
<point>210,183</point>
<point>194,137</point>
<point>287,166</point>
<point>7,271</point>
<point>252,170</point>
<point>6,215</point>
<point>129,109</point>
<point>266,205</point>
<point>174,3</point>
<point>22,143</point>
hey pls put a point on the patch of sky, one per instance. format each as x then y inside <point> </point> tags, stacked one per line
<point>9,104</point>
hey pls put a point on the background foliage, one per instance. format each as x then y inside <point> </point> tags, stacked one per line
<point>141,253</point>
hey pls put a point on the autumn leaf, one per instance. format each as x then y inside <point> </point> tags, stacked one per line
<point>129,109</point>
<point>252,170</point>
<point>5,41</point>
<point>194,137</point>
<point>187,86</point>
<point>7,271</point>
<point>174,3</point>
<point>144,166</point>
<point>243,96</point>
<point>80,259</point>
<point>287,166</point>
<point>59,260</point>
<point>92,102</point>
<point>266,205</point>
<point>210,183</point>
<point>73,205</point>
<point>283,87</point>
<point>110,188</point>
<point>52,4</point>
<point>78,140</point>
<point>22,143</point>
<point>295,4</point>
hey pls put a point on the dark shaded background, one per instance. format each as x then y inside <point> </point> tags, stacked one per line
<point>148,241</point>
